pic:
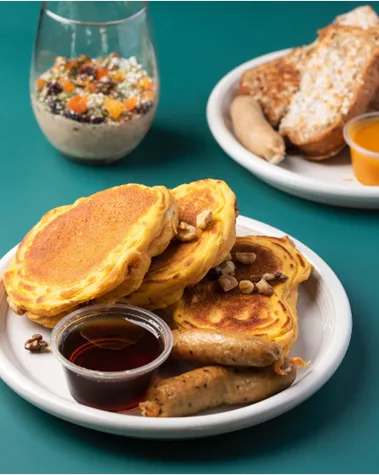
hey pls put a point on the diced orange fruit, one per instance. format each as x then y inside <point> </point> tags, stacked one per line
<point>40,84</point>
<point>101,72</point>
<point>131,103</point>
<point>72,63</point>
<point>147,95</point>
<point>78,104</point>
<point>114,107</point>
<point>66,84</point>
<point>90,87</point>
<point>118,76</point>
<point>145,83</point>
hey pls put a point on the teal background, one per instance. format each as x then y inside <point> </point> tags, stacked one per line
<point>334,431</point>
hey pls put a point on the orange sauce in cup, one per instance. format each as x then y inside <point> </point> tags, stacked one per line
<point>362,135</point>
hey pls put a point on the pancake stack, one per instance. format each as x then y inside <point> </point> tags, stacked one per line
<point>185,263</point>
<point>170,250</point>
<point>79,252</point>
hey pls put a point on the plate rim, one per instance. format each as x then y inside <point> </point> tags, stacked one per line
<point>261,168</point>
<point>203,425</point>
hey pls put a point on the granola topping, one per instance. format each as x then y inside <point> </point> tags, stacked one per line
<point>96,90</point>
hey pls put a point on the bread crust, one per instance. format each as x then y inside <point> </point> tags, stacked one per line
<point>328,142</point>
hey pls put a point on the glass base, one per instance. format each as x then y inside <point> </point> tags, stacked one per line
<point>91,161</point>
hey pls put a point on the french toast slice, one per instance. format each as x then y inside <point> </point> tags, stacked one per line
<point>339,80</point>
<point>273,84</point>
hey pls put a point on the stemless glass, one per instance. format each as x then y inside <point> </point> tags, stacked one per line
<point>117,115</point>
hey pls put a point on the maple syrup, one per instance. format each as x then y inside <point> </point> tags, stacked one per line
<point>109,358</point>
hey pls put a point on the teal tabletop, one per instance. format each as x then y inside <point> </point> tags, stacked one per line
<point>336,430</point>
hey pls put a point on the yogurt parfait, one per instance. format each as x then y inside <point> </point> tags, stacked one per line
<point>95,110</point>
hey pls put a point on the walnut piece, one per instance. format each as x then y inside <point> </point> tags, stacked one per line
<point>227,282</point>
<point>246,257</point>
<point>204,219</point>
<point>228,257</point>
<point>36,344</point>
<point>264,288</point>
<point>186,232</point>
<point>272,277</point>
<point>246,286</point>
<point>17,310</point>
<point>227,268</point>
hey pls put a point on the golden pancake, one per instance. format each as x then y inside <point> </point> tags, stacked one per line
<point>273,317</point>
<point>82,251</point>
<point>186,263</point>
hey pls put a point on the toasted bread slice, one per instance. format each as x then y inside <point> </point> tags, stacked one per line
<point>362,17</point>
<point>273,84</point>
<point>339,80</point>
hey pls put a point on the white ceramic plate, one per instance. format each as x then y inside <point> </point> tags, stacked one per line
<point>329,181</point>
<point>324,335</point>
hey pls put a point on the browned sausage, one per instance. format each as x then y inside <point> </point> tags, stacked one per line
<point>213,386</point>
<point>224,348</point>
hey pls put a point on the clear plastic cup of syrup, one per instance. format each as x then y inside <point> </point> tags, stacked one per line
<point>110,353</point>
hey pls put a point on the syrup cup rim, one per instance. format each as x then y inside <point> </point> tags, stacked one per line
<point>351,143</point>
<point>146,319</point>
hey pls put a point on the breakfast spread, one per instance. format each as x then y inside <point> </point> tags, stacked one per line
<point>230,302</point>
<point>95,108</point>
<point>309,94</point>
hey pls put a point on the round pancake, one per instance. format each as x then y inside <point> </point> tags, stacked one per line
<point>185,264</point>
<point>79,252</point>
<point>207,306</point>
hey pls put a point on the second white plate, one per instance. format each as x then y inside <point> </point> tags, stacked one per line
<point>330,181</point>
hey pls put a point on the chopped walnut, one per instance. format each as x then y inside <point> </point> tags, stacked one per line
<point>246,257</point>
<point>274,277</point>
<point>264,288</point>
<point>36,344</point>
<point>204,219</point>
<point>16,309</point>
<point>246,286</point>
<point>227,268</point>
<point>227,282</point>
<point>186,232</point>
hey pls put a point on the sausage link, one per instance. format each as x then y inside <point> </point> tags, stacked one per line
<point>212,386</point>
<point>224,348</point>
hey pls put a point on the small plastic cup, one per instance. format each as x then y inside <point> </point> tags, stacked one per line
<point>365,162</point>
<point>110,390</point>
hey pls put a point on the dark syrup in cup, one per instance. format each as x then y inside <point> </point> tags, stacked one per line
<point>110,354</point>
